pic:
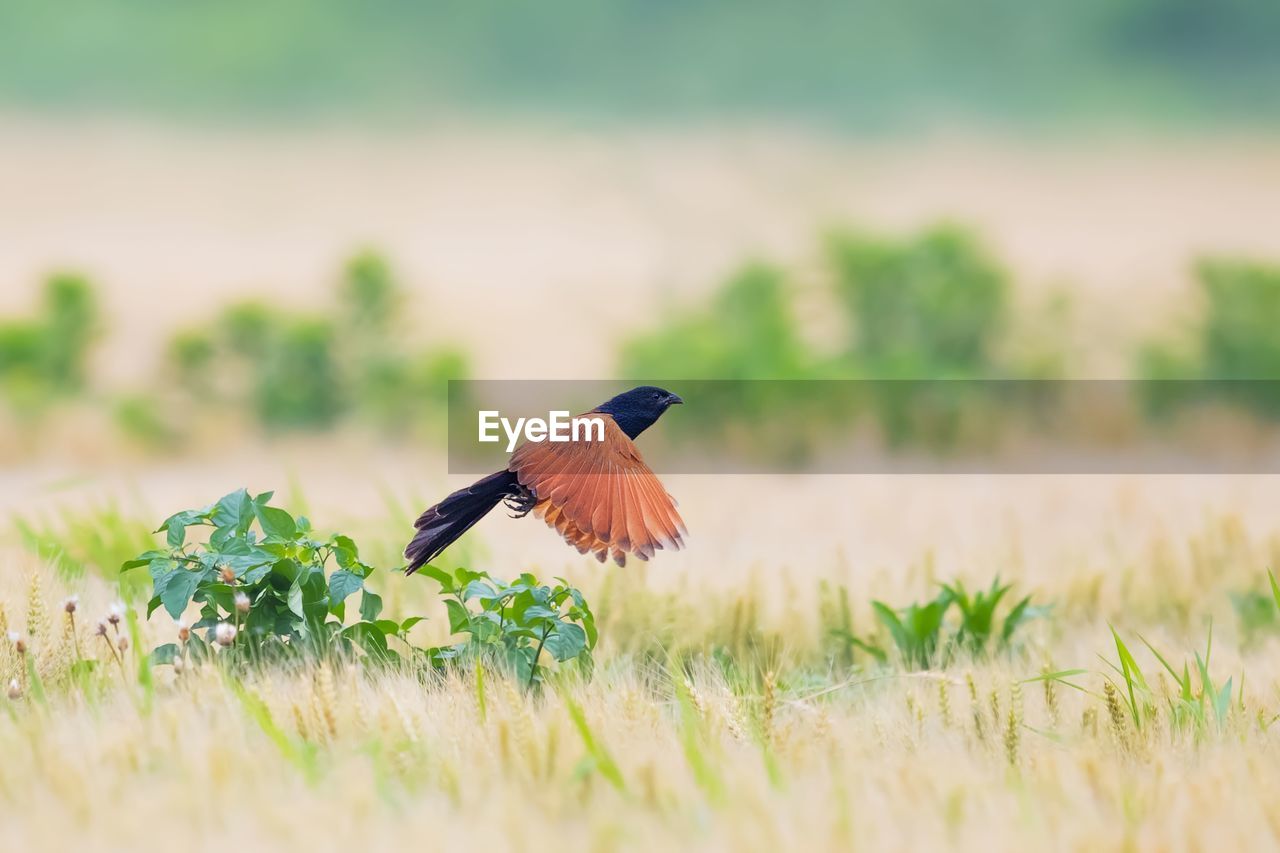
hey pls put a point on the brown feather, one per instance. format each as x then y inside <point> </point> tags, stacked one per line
<point>600,496</point>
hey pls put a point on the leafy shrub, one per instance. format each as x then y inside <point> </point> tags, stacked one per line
<point>307,371</point>
<point>272,585</point>
<point>270,590</point>
<point>747,332</point>
<point>49,351</point>
<point>1242,312</point>
<point>296,383</point>
<point>1233,353</point>
<point>514,623</point>
<point>927,307</point>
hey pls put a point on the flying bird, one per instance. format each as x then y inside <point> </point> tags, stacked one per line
<point>599,495</point>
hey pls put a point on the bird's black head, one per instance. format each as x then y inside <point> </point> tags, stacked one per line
<point>637,409</point>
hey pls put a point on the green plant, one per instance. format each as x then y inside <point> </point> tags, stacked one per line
<point>928,307</point>
<point>916,629</point>
<point>270,590</point>
<point>263,584</point>
<point>296,384</point>
<point>923,636</point>
<point>979,627</point>
<point>514,623</point>
<point>48,353</point>
<point>1232,354</point>
<point>1196,702</point>
<point>294,370</point>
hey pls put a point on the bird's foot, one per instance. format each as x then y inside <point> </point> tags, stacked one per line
<point>520,502</point>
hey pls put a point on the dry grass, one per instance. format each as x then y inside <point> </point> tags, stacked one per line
<point>785,751</point>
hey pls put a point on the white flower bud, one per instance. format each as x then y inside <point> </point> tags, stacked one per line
<point>15,689</point>
<point>242,602</point>
<point>225,634</point>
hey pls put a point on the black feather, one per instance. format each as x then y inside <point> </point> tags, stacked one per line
<point>441,525</point>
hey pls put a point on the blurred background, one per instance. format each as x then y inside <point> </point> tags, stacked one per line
<point>247,244</point>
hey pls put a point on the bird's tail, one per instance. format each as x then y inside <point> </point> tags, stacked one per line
<point>441,525</point>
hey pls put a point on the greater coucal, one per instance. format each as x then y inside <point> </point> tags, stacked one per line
<point>599,495</point>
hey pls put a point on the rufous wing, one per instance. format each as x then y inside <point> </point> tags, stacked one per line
<point>600,495</point>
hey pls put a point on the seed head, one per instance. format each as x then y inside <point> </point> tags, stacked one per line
<point>15,689</point>
<point>242,602</point>
<point>227,575</point>
<point>101,630</point>
<point>184,632</point>
<point>69,603</point>
<point>178,664</point>
<point>123,643</point>
<point>19,644</point>
<point>225,634</point>
<point>115,613</point>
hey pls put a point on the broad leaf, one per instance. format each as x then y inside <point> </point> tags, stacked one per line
<point>343,583</point>
<point>178,591</point>
<point>459,617</point>
<point>276,523</point>
<point>566,641</point>
<point>370,606</point>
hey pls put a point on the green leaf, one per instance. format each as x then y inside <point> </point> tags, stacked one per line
<point>459,617</point>
<point>478,589</point>
<point>566,642</point>
<point>233,512</point>
<point>1016,617</point>
<point>175,526</point>
<point>537,611</point>
<point>387,626</point>
<point>165,654</point>
<point>410,622</point>
<point>601,760</point>
<point>178,591</point>
<point>276,524</point>
<point>343,583</point>
<point>344,549</point>
<point>295,597</point>
<point>370,606</point>
<point>142,559</point>
<point>440,576</point>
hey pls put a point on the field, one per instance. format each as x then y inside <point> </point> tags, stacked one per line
<point>720,713</point>
<point>751,692</point>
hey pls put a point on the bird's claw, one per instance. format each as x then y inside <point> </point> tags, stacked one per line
<point>520,502</point>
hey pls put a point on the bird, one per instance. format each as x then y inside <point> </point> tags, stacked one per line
<point>600,496</point>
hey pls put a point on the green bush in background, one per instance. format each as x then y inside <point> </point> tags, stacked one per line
<point>46,355</point>
<point>304,370</point>
<point>1233,349</point>
<point>930,306</point>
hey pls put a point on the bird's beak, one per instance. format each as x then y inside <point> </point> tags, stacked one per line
<point>674,399</point>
